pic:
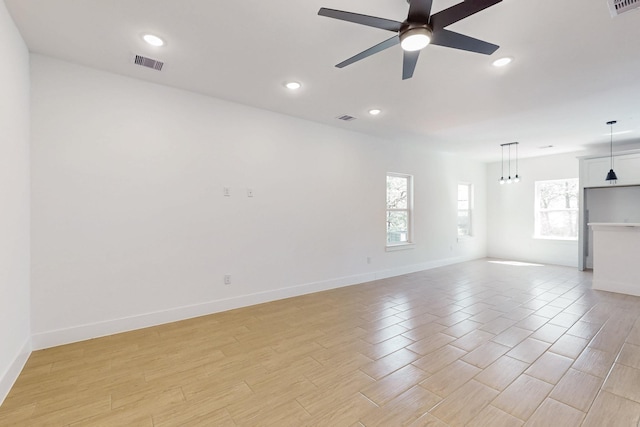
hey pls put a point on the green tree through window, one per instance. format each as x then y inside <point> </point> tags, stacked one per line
<point>398,209</point>
<point>556,209</point>
<point>465,206</point>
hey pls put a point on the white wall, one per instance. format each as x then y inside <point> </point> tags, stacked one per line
<point>510,212</point>
<point>14,203</point>
<point>614,204</point>
<point>130,226</point>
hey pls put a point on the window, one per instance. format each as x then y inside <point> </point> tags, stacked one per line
<point>556,209</point>
<point>399,207</point>
<point>465,205</point>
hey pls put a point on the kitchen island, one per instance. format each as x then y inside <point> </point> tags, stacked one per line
<point>616,257</point>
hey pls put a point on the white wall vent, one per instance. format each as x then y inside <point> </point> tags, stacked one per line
<point>618,7</point>
<point>148,62</point>
<point>346,118</point>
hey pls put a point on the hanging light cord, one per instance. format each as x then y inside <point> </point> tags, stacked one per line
<point>509,179</point>
<point>611,126</point>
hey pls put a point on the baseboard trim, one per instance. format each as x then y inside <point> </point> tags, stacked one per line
<point>399,271</point>
<point>614,286</point>
<point>11,375</point>
<point>510,257</point>
<point>58,337</point>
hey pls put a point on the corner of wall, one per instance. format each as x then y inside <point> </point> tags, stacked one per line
<point>11,375</point>
<point>15,341</point>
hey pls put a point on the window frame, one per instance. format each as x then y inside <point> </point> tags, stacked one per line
<point>469,210</point>
<point>537,210</point>
<point>409,243</point>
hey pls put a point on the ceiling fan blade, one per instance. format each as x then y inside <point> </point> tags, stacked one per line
<point>419,11</point>
<point>460,41</point>
<point>371,21</point>
<point>460,11</point>
<point>372,50</point>
<point>409,63</point>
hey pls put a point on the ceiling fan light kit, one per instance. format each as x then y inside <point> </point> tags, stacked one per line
<point>420,29</point>
<point>415,38</point>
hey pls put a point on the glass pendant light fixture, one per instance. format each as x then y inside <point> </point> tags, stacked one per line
<point>517,177</point>
<point>611,176</point>
<point>502,164</point>
<point>509,178</point>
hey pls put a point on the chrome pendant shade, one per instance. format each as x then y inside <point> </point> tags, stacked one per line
<point>611,176</point>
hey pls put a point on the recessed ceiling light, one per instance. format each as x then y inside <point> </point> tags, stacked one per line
<point>293,85</point>
<point>153,40</point>
<point>502,61</point>
<point>375,111</point>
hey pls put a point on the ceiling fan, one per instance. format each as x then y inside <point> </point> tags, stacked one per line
<point>418,30</point>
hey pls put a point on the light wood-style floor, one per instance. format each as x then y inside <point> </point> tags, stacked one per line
<point>473,344</point>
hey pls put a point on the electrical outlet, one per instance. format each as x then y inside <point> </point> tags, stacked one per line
<point>227,279</point>
<point>249,192</point>
<point>226,191</point>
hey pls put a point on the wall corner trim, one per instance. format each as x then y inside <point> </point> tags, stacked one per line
<point>9,377</point>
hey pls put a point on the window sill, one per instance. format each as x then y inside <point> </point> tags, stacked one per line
<point>400,247</point>
<point>460,239</point>
<point>557,239</point>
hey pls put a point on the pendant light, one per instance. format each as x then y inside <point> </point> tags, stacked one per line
<point>502,163</point>
<point>509,178</point>
<point>611,176</point>
<point>517,177</point>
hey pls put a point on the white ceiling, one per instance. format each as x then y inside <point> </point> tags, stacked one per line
<point>575,66</point>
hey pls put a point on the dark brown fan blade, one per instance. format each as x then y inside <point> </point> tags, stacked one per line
<point>409,63</point>
<point>375,49</point>
<point>460,41</point>
<point>371,21</point>
<point>419,11</point>
<point>460,11</point>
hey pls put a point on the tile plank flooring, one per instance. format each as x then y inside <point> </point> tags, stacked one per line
<point>482,343</point>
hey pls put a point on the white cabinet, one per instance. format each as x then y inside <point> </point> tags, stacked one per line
<point>593,170</point>
<point>593,174</point>
<point>615,256</point>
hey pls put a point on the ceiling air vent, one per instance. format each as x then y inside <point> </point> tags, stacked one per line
<point>618,7</point>
<point>346,118</point>
<point>148,62</point>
